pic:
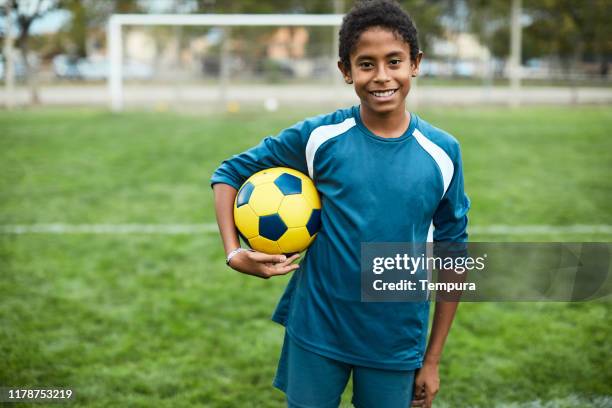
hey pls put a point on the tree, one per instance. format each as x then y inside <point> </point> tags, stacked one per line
<point>573,31</point>
<point>91,14</point>
<point>27,11</point>
<point>264,6</point>
<point>569,30</point>
<point>490,20</point>
<point>77,29</point>
<point>426,15</point>
<point>9,73</point>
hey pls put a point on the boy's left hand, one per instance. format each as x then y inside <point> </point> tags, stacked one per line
<point>426,385</point>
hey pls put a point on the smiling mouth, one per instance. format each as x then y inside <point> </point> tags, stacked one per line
<point>383,94</point>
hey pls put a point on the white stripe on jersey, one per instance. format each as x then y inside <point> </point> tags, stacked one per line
<point>445,164</point>
<point>321,135</point>
<point>430,232</point>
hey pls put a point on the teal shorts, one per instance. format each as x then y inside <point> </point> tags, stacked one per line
<point>310,380</point>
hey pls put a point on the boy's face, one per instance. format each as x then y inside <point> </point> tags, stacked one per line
<point>381,70</point>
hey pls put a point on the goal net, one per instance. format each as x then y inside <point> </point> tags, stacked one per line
<point>227,61</point>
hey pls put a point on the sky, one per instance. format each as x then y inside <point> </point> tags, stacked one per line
<point>49,23</point>
<point>54,20</point>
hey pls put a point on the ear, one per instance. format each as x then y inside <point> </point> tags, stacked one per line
<point>416,64</point>
<point>346,73</point>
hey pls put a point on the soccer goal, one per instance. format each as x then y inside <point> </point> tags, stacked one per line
<point>288,41</point>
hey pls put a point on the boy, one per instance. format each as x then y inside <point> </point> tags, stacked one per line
<point>384,175</point>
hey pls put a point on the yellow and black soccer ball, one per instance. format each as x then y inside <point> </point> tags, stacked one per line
<point>278,211</point>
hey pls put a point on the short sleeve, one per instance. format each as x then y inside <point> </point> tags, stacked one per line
<point>450,219</point>
<point>287,149</point>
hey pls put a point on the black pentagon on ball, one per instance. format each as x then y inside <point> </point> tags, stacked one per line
<point>314,222</point>
<point>271,226</point>
<point>244,194</point>
<point>288,184</point>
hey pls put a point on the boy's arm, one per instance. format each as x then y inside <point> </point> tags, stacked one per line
<point>224,207</point>
<point>427,381</point>
<point>450,221</point>
<point>444,314</point>
<point>285,150</point>
<point>248,262</point>
<point>288,150</point>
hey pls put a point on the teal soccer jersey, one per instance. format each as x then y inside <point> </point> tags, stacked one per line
<point>373,189</point>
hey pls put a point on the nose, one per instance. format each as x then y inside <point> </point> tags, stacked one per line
<point>382,75</point>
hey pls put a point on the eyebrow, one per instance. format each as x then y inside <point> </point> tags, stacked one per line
<point>391,54</point>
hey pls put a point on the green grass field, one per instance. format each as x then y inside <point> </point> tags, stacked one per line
<point>159,321</point>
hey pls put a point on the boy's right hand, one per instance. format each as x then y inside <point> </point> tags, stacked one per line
<point>263,265</point>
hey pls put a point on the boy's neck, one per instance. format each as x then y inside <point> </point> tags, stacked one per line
<point>389,125</point>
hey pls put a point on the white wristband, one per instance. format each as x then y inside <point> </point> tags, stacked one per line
<point>234,253</point>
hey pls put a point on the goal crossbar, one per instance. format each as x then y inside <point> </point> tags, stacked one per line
<point>117,21</point>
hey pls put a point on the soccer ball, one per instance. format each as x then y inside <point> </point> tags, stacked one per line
<point>278,211</point>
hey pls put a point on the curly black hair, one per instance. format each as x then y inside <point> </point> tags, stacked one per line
<point>375,13</point>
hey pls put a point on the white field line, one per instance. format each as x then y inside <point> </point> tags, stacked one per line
<point>541,229</point>
<point>211,228</point>
<point>162,229</point>
<point>572,400</point>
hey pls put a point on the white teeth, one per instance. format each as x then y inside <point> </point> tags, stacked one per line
<point>385,93</point>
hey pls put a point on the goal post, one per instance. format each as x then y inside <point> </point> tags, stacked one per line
<point>117,21</point>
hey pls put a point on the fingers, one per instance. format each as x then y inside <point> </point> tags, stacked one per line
<point>266,258</point>
<point>280,269</point>
<point>417,403</point>
<point>423,397</point>
<point>419,396</point>
<point>273,265</point>
<point>291,259</point>
<point>263,265</point>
